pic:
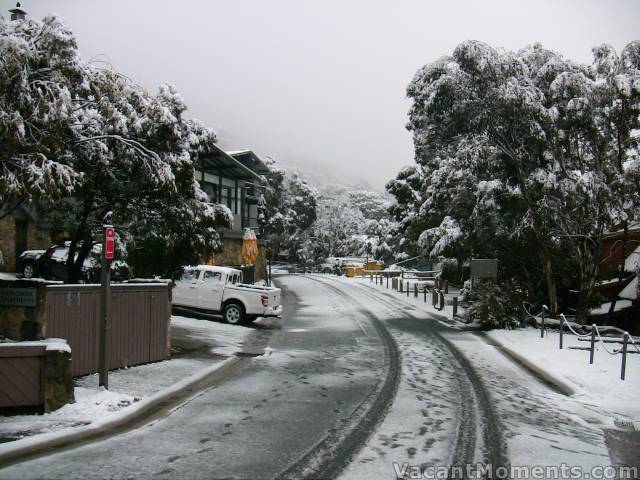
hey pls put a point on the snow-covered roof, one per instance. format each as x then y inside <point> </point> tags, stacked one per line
<point>221,161</point>
<point>630,228</point>
<point>632,260</point>
<point>237,152</point>
<point>249,159</point>
<point>630,292</point>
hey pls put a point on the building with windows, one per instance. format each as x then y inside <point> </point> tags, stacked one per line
<point>237,180</point>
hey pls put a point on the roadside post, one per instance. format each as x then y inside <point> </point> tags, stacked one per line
<point>108,251</point>
<point>455,306</point>
<point>624,355</point>
<point>542,327</point>
<point>561,329</point>
<point>593,343</point>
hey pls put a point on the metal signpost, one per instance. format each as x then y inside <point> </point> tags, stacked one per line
<point>108,251</point>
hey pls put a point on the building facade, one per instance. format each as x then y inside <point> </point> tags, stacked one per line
<point>236,179</point>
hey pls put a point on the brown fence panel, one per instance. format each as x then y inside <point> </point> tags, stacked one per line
<point>138,323</point>
<point>21,369</point>
<point>159,329</point>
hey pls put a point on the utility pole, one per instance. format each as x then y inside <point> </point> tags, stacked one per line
<point>108,250</point>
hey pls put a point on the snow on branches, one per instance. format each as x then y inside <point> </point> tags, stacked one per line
<point>525,147</point>
<point>80,140</point>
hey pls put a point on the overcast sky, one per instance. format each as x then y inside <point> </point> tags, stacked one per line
<point>319,84</point>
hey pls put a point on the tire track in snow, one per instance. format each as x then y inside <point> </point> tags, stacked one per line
<point>479,414</point>
<point>330,456</point>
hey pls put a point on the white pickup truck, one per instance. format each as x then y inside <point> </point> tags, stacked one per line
<point>220,289</point>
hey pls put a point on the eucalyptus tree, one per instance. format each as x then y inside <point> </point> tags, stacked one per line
<point>525,144</point>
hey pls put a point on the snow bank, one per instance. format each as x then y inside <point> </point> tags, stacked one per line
<point>597,384</point>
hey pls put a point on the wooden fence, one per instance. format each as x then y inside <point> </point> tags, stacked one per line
<point>21,368</point>
<point>138,324</point>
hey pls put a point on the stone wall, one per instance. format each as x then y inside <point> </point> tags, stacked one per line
<point>7,242</point>
<point>24,323</point>
<point>58,382</point>
<point>36,240</point>
<point>232,255</point>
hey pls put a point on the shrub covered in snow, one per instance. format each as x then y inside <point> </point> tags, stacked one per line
<point>492,306</point>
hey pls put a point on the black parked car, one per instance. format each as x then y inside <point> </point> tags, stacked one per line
<point>51,264</point>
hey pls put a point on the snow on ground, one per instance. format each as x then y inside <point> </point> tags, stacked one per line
<point>598,384</point>
<point>421,424</point>
<point>541,427</point>
<point>204,343</point>
<point>417,301</point>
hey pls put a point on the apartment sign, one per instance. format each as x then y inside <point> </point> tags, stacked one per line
<point>18,297</point>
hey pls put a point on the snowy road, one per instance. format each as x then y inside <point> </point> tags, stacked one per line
<point>359,379</point>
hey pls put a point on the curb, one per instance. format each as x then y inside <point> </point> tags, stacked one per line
<point>39,444</point>
<point>563,386</point>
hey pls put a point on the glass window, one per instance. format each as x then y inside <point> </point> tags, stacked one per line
<point>229,197</point>
<point>212,277</point>
<point>190,275</point>
<point>212,192</point>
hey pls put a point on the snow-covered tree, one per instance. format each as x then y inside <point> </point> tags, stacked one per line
<point>40,79</point>
<point>290,211</point>
<point>352,222</point>
<point>84,140</point>
<point>523,147</point>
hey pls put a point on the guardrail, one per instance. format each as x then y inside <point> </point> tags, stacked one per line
<point>593,337</point>
<point>434,287</point>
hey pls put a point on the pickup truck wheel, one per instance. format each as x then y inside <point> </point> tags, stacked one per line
<point>233,313</point>
<point>28,270</point>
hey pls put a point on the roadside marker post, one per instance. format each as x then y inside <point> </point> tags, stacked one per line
<point>407,289</point>
<point>624,355</point>
<point>542,326</point>
<point>455,306</point>
<point>593,344</point>
<point>561,329</point>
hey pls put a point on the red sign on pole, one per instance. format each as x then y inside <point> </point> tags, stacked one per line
<point>109,243</point>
